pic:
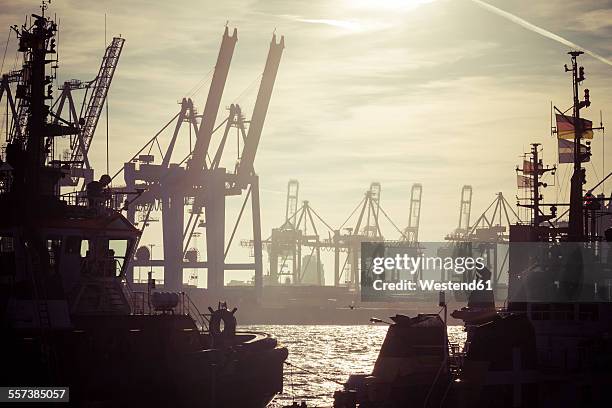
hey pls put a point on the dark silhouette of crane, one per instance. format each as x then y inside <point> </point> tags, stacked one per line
<point>200,183</point>
<point>87,119</point>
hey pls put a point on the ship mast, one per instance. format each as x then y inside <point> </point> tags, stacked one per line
<point>536,170</point>
<point>576,220</point>
<point>36,42</point>
<point>35,183</point>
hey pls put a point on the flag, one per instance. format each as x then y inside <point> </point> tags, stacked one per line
<point>528,167</point>
<point>565,127</point>
<point>566,152</point>
<point>523,181</point>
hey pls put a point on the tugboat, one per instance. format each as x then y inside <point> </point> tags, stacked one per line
<point>551,346</point>
<point>68,316</point>
<point>409,361</point>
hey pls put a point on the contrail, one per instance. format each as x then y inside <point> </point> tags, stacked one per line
<point>539,30</point>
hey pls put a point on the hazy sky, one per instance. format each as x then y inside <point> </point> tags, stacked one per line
<point>440,92</point>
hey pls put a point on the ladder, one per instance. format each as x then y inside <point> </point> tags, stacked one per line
<point>117,301</point>
<point>40,302</point>
<point>101,85</point>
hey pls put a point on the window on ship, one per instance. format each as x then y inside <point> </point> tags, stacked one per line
<point>7,256</point>
<point>101,257</point>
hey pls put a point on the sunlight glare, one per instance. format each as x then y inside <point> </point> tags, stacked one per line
<point>387,5</point>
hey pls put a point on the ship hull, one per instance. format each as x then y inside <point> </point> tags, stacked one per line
<point>153,361</point>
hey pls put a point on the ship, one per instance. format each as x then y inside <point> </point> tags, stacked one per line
<point>550,345</point>
<point>69,317</point>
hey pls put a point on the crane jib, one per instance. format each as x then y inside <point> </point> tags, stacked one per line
<point>261,106</point>
<point>211,109</point>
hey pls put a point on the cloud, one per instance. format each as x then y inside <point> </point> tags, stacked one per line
<point>444,94</point>
<point>343,24</point>
<point>539,30</point>
<point>595,20</point>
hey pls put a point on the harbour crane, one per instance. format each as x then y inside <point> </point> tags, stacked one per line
<point>465,209</point>
<point>203,184</point>
<point>220,183</point>
<point>87,119</point>
<point>411,232</point>
<point>293,187</point>
<point>304,227</point>
<point>16,110</point>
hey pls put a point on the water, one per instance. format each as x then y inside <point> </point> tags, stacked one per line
<point>333,352</point>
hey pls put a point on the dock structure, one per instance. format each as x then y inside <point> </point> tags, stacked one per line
<point>303,232</point>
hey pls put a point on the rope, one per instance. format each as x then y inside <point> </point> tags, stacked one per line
<point>564,181</point>
<point>392,223</point>
<point>595,171</point>
<point>5,48</point>
<point>196,88</point>
<point>321,219</point>
<point>16,60</point>
<point>313,373</point>
<point>349,217</point>
<point>248,88</point>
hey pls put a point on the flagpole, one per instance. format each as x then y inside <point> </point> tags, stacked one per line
<point>603,151</point>
<point>576,213</point>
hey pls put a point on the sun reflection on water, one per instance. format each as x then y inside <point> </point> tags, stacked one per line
<point>333,352</point>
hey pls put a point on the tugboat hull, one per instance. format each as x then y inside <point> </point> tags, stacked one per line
<point>156,360</point>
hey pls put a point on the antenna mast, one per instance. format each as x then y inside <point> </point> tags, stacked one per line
<point>576,219</point>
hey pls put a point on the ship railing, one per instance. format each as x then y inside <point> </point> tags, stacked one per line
<point>188,307</point>
<point>558,315</point>
<point>139,302</point>
<point>455,357</point>
<point>75,199</point>
<point>108,203</point>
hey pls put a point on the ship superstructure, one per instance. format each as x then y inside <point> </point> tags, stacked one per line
<point>69,317</point>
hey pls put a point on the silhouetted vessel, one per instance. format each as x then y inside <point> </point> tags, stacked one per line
<point>551,346</point>
<point>68,316</point>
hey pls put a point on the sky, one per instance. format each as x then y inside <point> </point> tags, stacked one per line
<point>438,92</point>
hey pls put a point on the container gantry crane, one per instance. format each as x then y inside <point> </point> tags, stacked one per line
<point>293,188</point>
<point>465,209</point>
<point>305,228</point>
<point>411,232</point>
<point>203,184</point>
<point>488,231</point>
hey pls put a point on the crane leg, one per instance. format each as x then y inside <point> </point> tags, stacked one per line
<point>215,230</point>
<point>257,246</point>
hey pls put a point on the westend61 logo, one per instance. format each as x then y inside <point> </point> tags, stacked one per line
<point>420,272</point>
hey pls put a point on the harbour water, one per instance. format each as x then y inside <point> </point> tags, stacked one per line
<point>332,352</point>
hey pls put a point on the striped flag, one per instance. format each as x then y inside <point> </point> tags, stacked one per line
<point>523,181</point>
<point>528,167</point>
<point>565,127</point>
<point>566,152</point>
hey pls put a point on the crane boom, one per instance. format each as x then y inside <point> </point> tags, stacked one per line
<point>465,209</point>
<point>292,201</point>
<point>411,232</point>
<point>261,106</point>
<point>102,83</point>
<point>211,109</point>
